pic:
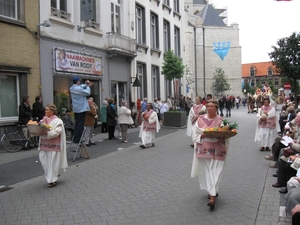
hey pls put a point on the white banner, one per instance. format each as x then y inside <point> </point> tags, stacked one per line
<point>66,61</point>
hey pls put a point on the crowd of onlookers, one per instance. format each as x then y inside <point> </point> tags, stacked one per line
<point>285,153</point>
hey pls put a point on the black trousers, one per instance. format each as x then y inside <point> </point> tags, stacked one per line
<point>79,124</point>
<point>296,219</point>
<point>285,172</point>
<point>104,127</point>
<point>111,132</point>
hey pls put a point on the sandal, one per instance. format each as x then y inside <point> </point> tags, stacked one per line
<point>208,196</point>
<point>153,145</point>
<point>125,141</point>
<point>211,203</point>
<point>142,146</point>
<point>262,149</point>
<point>51,184</point>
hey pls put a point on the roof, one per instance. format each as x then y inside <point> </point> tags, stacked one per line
<point>210,17</point>
<point>261,69</point>
<point>200,2</point>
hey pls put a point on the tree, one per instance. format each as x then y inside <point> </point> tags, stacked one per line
<point>172,68</point>
<point>286,58</point>
<point>220,84</point>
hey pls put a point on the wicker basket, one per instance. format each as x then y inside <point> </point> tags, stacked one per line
<point>219,134</point>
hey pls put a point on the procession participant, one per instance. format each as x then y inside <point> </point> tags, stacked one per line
<point>266,130</point>
<point>196,110</point>
<point>149,125</point>
<point>52,146</point>
<point>210,153</point>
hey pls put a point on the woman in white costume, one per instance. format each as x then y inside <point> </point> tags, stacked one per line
<point>209,153</point>
<point>267,126</point>
<point>52,147</point>
<point>149,126</point>
<point>196,110</point>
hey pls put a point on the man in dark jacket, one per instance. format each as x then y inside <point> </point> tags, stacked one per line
<point>228,105</point>
<point>38,110</point>
<point>24,116</point>
<point>24,111</point>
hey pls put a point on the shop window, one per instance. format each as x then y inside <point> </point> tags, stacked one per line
<point>9,102</point>
<point>12,9</point>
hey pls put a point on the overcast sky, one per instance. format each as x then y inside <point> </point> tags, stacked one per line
<point>261,24</point>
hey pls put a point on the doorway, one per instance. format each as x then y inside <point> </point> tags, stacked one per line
<point>118,92</point>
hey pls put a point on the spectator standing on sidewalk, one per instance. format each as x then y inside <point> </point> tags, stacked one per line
<point>25,114</point>
<point>79,93</point>
<point>38,110</point>
<point>124,120</point>
<point>89,123</point>
<point>103,117</point>
<point>112,118</point>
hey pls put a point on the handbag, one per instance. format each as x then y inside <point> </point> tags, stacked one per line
<point>288,152</point>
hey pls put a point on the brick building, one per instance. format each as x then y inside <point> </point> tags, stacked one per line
<point>20,59</point>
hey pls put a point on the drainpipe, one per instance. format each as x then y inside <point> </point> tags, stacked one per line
<point>204,78</point>
<point>195,52</point>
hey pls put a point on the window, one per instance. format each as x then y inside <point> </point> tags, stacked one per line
<point>176,6</point>
<point>59,8</point>
<point>9,102</point>
<point>252,71</point>
<point>177,41</point>
<point>115,16</point>
<point>166,36</point>
<point>142,90</point>
<point>154,31</point>
<point>88,12</point>
<point>140,24</point>
<point>12,9</point>
<point>167,2</point>
<point>276,81</point>
<point>60,5</point>
<point>270,71</point>
<point>155,82</point>
<point>252,83</point>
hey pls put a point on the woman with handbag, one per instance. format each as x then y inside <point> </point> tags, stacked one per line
<point>124,120</point>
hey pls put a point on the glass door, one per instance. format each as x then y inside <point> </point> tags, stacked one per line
<point>118,92</point>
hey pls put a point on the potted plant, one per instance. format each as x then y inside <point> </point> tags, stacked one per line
<point>173,68</point>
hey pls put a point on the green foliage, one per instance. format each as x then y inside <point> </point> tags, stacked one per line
<point>173,67</point>
<point>286,57</point>
<point>220,85</point>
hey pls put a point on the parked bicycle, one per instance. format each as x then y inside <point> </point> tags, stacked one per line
<point>14,141</point>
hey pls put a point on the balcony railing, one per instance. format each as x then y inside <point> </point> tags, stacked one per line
<point>60,14</point>
<point>121,43</point>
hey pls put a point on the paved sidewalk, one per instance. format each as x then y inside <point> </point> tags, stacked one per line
<point>152,186</point>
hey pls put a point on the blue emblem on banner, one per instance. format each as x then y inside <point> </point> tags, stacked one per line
<point>221,48</point>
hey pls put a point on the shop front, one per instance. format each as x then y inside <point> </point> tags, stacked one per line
<point>60,62</point>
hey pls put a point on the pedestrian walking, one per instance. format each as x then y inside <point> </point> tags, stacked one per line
<point>124,120</point>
